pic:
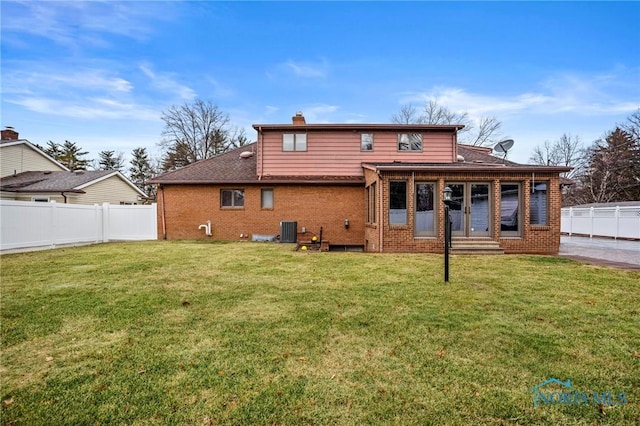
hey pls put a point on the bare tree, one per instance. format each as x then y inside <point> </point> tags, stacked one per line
<point>488,129</point>
<point>566,151</point>
<point>194,132</point>
<point>487,132</point>
<point>408,114</point>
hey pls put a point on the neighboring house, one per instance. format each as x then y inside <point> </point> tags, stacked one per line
<point>29,174</point>
<point>372,186</point>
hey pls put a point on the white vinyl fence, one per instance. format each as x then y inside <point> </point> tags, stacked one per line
<point>33,225</point>
<point>616,222</point>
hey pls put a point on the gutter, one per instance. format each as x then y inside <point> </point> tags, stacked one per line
<point>164,223</point>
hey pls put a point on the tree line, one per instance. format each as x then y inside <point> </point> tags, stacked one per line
<point>608,170</point>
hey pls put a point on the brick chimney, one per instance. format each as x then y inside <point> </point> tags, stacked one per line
<point>9,134</point>
<point>298,119</point>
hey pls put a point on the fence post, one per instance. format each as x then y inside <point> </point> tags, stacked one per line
<point>617,222</point>
<point>105,222</point>
<point>96,211</point>
<point>54,223</point>
<point>570,221</point>
<point>591,210</point>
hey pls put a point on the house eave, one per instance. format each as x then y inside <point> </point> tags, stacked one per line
<point>361,127</point>
<point>475,167</point>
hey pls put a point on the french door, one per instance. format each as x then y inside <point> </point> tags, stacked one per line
<point>470,209</point>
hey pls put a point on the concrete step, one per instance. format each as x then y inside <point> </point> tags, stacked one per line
<point>476,247</point>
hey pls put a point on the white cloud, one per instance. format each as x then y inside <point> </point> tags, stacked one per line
<point>603,94</point>
<point>167,82</point>
<point>90,108</point>
<point>82,23</point>
<point>319,113</point>
<point>301,70</point>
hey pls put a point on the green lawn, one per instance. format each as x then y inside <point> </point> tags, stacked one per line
<point>248,333</point>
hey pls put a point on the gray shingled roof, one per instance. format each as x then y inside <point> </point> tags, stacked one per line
<point>51,181</point>
<point>228,167</point>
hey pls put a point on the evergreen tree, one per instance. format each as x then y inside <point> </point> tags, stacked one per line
<point>68,154</point>
<point>109,160</point>
<point>613,172</point>
<point>141,171</point>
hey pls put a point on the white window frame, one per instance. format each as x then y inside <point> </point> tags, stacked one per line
<point>294,142</point>
<point>262,199</point>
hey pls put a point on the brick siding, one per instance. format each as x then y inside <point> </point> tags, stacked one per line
<point>312,206</point>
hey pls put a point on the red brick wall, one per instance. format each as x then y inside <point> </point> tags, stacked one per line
<point>312,206</point>
<point>534,239</point>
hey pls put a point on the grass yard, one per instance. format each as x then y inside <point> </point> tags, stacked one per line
<point>248,333</point>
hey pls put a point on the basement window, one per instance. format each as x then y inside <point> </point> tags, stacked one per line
<point>233,198</point>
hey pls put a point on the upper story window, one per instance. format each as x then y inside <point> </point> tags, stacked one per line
<point>366,142</point>
<point>409,142</point>
<point>294,142</point>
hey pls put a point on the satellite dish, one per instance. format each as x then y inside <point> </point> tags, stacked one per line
<point>504,146</point>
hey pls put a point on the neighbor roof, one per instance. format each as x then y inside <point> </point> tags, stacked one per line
<point>62,181</point>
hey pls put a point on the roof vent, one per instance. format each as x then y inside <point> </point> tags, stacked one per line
<point>246,154</point>
<point>47,172</point>
<point>78,172</point>
<point>460,158</point>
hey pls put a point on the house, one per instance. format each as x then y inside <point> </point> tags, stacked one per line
<point>375,187</point>
<point>29,174</point>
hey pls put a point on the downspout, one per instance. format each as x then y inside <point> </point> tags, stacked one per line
<point>380,212</point>
<point>64,196</point>
<point>260,143</point>
<point>164,224</point>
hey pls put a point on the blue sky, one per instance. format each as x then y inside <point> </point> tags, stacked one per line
<point>101,73</point>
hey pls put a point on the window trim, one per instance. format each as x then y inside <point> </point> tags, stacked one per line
<point>232,206</point>
<point>532,184</point>
<point>262,191</point>
<point>372,200</point>
<point>295,142</point>
<point>410,145</point>
<point>434,201</point>
<point>362,142</point>
<point>406,203</point>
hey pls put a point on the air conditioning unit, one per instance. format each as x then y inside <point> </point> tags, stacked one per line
<point>288,232</point>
